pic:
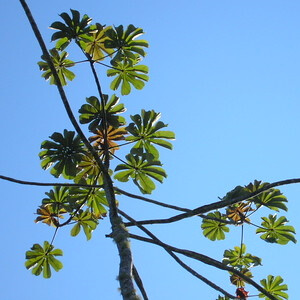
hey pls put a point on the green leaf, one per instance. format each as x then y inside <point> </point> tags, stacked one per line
<point>95,199</point>
<point>238,257</point>
<point>96,47</point>
<point>141,170</point>
<point>272,198</point>
<point>212,229</point>
<point>60,63</point>
<point>40,259</point>
<point>125,42</point>
<point>274,286</point>
<point>128,74</point>
<point>274,230</point>
<point>73,28</point>
<point>59,198</point>
<point>86,221</point>
<point>63,154</point>
<point>145,131</point>
<point>93,112</point>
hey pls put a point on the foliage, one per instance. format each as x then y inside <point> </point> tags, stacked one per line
<point>42,259</point>
<point>93,112</point>
<point>275,287</point>
<point>85,220</point>
<point>65,151</point>
<point>65,154</point>
<point>141,170</point>
<point>127,74</point>
<point>238,257</point>
<point>213,229</point>
<point>61,64</point>
<point>275,231</point>
<point>145,131</point>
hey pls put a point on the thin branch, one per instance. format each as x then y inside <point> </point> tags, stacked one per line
<point>139,282</point>
<point>125,269</point>
<point>49,183</point>
<point>220,204</point>
<point>175,257</point>
<point>203,258</point>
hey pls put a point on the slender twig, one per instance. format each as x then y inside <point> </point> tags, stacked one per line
<point>220,204</point>
<point>139,282</point>
<point>25,182</point>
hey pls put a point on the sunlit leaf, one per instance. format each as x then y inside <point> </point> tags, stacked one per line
<point>96,46</point>
<point>146,132</point>
<point>86,221</point>
<point>95,200</point>
<point>274,286</point>
<point>238,212</point>
<point>212,229</point>
<point>126,42</point>
<point>61,65</point>
<point>62,154</point>
<point>41,259</point>
<point>238,257</point>
<point>141,171</point>
<point>271,198</point>
<point>111,136</point>
<point>274,230</point>
<point>127,75</point>
<point>73,28</point>
<point>59,198</point>
<point>93,112</point>
<point>49,215</point>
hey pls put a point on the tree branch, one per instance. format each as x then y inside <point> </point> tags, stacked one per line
<point>120,234</point>
<point>200,257</point>
<point>219,204</point>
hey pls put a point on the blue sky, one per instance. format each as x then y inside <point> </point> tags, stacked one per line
<point>224,74</point>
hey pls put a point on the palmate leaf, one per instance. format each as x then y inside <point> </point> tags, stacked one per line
<point>238,257</point>
<point>94,199</point>
<point>41,259</point>
<point>49,215</point>
<point>212,229</point>
<point>275,287</point>
<point>85,220</point>
<point>274,230</point>
<point>63,154</point>
<point>88,167</point>
<point>237,280</point>
<point>72,28</point>
<point>273,198</point>
<point>141,170</point>
<point>93,112</point>
<point>61,65</point>
<point>126,43</point>
<point>59,198</point>
<point>239,211</point>
<point>127,75</point>
<point>96,46</point>
<point>146,132</point>
<point>112,135</point>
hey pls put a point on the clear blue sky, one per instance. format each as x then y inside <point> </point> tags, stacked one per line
<point>224,74</point>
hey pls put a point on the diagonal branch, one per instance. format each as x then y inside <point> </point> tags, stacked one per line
<point>200,257</point>
<point>219,204</point>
